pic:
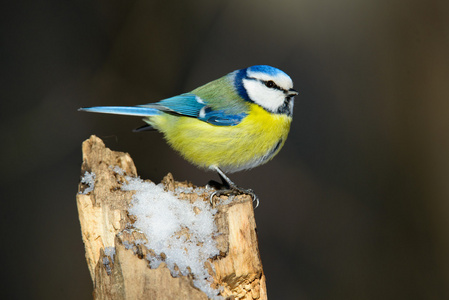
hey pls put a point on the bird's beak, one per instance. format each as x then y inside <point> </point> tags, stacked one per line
<point>292,92</point>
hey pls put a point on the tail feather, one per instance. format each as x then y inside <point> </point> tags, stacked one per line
<point>123,110</point>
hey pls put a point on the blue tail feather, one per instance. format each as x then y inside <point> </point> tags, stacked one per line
<point>123,110</point>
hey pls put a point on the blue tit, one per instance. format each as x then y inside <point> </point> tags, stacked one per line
<point>234,123</point>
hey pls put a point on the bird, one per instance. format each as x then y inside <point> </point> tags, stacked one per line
<point>234,123</point>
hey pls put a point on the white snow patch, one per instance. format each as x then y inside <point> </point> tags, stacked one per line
<point>117,170</point>
<point>89,179</point>
<point>109,258</point>
<point>183,231</point>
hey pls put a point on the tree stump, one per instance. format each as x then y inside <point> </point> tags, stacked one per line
<point>116,251</point>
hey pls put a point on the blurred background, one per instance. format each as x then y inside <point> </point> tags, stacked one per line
<point>355,206</point>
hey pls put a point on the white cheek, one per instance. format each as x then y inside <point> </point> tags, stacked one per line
<point>270,99</point>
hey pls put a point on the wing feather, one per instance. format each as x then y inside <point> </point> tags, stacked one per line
<point>216,103</point>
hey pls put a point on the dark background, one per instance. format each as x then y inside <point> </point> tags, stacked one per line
<point>354,207</point>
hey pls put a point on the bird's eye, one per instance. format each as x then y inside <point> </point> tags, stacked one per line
<point>269,84</point>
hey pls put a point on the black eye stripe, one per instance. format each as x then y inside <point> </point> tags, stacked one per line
<point>270,84</point>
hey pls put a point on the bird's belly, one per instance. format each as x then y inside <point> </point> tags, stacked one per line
<point>254,141</point>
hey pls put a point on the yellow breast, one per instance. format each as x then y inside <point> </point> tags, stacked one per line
<point>254,141</point>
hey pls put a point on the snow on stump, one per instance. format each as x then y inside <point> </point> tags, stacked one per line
<point>165,241</point>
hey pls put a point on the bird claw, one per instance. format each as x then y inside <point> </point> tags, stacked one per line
<point>235,191</point>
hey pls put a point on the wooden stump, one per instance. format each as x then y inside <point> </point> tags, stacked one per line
<point>117,261</point>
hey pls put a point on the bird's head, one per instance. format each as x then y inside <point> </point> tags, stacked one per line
<point>266,86</point>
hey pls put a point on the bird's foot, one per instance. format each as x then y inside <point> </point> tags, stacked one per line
<point>234,190</point>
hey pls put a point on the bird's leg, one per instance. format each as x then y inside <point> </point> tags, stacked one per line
<point>229,188</point>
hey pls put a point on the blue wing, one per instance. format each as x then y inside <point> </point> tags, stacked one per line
<point>192,105</point>
<point>184,104</point>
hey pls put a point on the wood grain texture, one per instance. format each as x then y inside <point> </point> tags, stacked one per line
<point>116,256</point>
